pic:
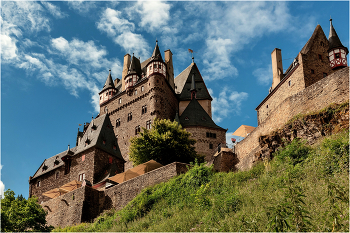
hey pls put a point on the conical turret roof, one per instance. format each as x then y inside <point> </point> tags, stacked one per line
<point>135,66</point>
<point>334,41</point>
<point>156,55</point>
<point>109,83</point>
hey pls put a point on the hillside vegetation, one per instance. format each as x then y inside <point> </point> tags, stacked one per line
<point>302,189</point>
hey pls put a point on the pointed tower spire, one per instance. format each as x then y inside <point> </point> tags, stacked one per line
<point>156,55</point>
<point>108,89</point>
<point>336,51</point>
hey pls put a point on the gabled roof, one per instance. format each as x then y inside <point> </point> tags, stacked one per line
<point>99,130</point>
<point>334,41</point>
<point>318,31</point>
<point>109,83</point>
<point>195,115</point>
<point>103,132</point>
<point>243,130</point>
<point>184,80</point>
<point>50,163</point>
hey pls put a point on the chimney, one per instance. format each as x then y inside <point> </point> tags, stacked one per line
<point>116,81</point>
<point>126,65</point>
<point>168,58</point>
<point>277,68</point>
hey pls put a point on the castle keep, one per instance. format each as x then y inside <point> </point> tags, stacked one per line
<point>75,186</point>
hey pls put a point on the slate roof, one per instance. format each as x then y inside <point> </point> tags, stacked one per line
<point>183,84</point>
<point>99,130</point>
<point>135,66</point>
<point>195,115</point>
<point>109,83</point>
<point>156,56</point>
<point>334,41</point>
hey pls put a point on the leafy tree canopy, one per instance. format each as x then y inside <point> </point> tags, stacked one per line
<point>165,142</point>
<point>19,214</point>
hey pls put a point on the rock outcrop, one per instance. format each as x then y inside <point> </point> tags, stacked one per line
<point>311,127</point>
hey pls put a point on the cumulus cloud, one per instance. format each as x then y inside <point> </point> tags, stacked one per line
<point>2,189</point>
<point>122,31</point>
<point>264,75</point>
<point>8,47</point>
<point>54,10</point>
<point>237,25</point>
<point>227,103</point>
<point>154,14</point>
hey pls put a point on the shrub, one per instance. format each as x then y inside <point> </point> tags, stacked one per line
<point>294,153</point>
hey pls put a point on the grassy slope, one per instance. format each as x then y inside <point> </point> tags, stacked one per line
<point>302,189</point>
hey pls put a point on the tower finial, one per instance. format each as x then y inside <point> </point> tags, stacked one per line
<point>156,41</point>
<point>192,59</point>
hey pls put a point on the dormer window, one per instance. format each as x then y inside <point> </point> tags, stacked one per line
<point>187,119</point>
<point>104,142</point>
<point>56,162</point>
<point>114,147</point>
<point>110,160</point>
<point>87,142</point>
<point>44,168</point>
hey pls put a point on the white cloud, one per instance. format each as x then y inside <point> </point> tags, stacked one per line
<point>121,30</point>
<point>264,75</point>
<point>228,103</point>
<point>28,16</point>
<point>78,52</point>
<point>83,7</point>
<point>154,14</point>
<point>2,189</point>
<point>54,10</point>
<point>236,26</point>
<point>8,47</point>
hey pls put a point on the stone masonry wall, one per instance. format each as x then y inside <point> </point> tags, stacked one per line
<point>73,207</point>
<point>332,89</point>
<point>160,100</point>
<point>119,195</point>
<point>202,144</point>
<point>49,180</point>
<point>101,162</point>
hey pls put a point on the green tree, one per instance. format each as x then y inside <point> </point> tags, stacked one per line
<point>165,142</point>
<point>19,214</point>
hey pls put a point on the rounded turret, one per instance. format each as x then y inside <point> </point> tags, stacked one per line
<point>108,90</point>
<point>336,52</point>
<point>156,64</point>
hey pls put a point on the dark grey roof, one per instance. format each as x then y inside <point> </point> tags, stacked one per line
<point>50,163</point>
<point>183,84</point>
<point>135,66</point>
<point>195,115</point>
<point>109,83</point>
<point>334,41</point>
<point>99,130</point>
<point>156,56</point>
<point>177,118</point>
<point>103,132</point>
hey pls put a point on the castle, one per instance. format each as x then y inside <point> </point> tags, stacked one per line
<point>148,90</point>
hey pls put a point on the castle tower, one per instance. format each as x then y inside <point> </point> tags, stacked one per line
<point>108,90</point>
<point>133,75</point>
<point>336,52</point>
<point>277,67</point>
<point>156,65</point>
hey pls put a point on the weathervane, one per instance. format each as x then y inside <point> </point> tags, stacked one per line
<point>191,51</point>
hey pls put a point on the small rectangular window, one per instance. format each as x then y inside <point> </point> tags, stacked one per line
<point>210,146</point>
<point>289,82</point>
<point>57,175</point>
<point>142,88</point>
<point>83,158</point>
<point>320,56</point>
<point>120,100</point>
<point>312,71</point>
<point>38,184</point>
<point>110,160</point>
<point>324,75</point>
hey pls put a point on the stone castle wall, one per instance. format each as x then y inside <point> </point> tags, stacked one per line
<point>120,195</point>
<point>332,89</point>
<point>85,203</point>
<point>155,93</point>
<point>203,142</point>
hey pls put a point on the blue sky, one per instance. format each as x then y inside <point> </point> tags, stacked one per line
<point>55,58</point>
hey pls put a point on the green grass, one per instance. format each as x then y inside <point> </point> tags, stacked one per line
<point>302,189</point>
